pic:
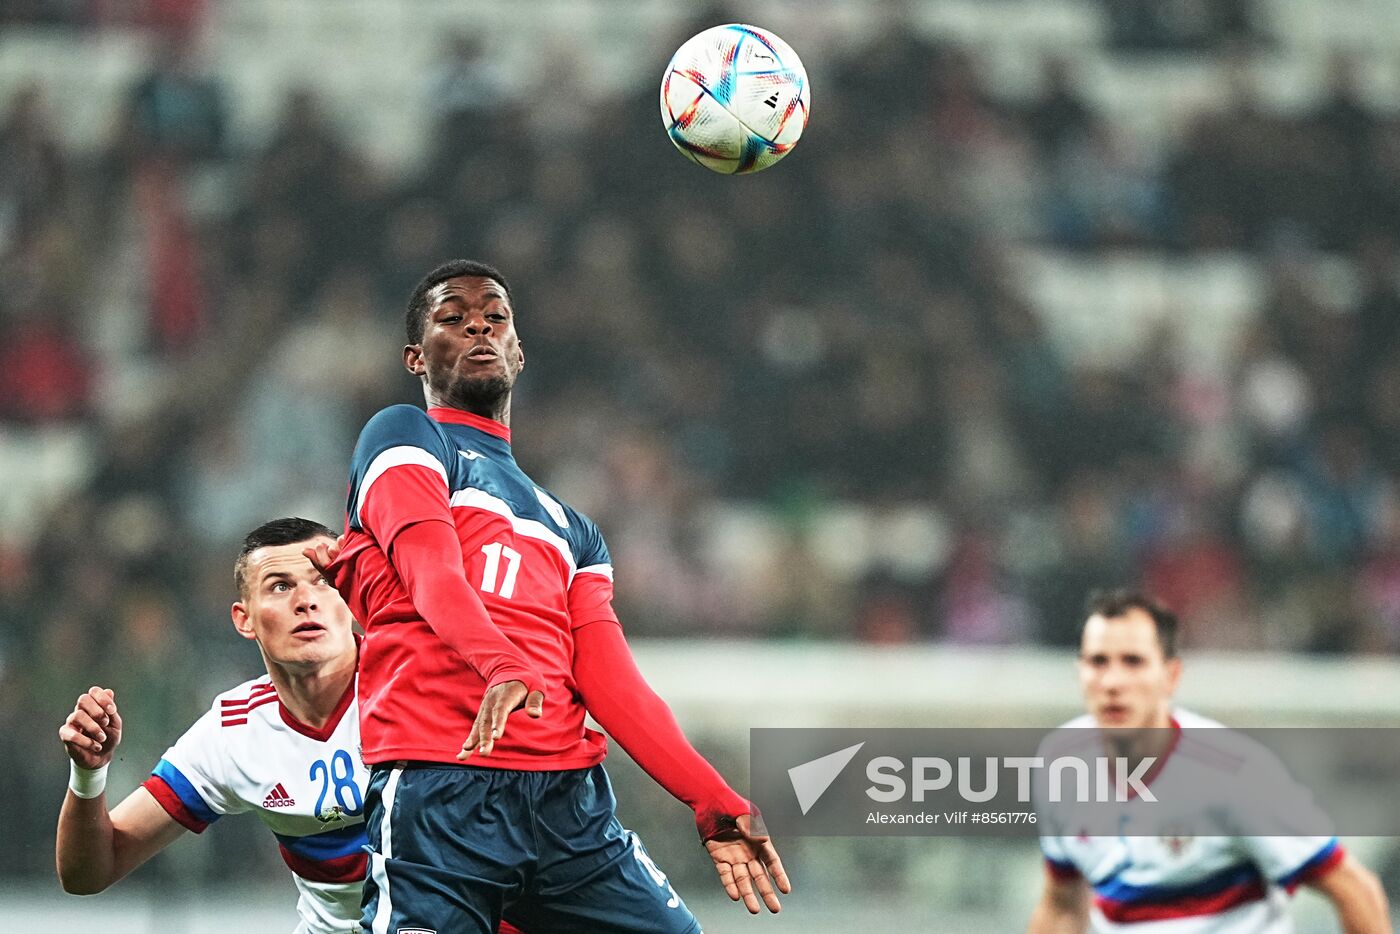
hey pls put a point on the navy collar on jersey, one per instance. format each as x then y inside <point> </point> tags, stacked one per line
<point>460,417</point>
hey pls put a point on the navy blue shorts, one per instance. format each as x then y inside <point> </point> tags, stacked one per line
<point>453,849</point>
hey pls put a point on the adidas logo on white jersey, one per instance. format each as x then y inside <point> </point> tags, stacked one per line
<point>278,798</point>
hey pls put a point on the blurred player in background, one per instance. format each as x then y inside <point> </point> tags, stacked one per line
<point>479,591</point>
<point>284,745</point>
<point>1128,672</point>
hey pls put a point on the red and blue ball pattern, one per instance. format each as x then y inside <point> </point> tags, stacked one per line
<point>735,99</point>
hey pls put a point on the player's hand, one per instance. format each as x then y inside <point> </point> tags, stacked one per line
<point>745,860</point>
<point>496,706</point>
<point>322,556</point>
<point>93,730</point>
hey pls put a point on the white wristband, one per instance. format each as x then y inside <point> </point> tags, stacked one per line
<point>86,783</point>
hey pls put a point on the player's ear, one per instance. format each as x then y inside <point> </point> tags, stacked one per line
<point>413,359</point>
<point>242,621</point>
<point>520,356</point>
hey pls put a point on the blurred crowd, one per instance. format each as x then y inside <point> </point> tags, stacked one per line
<point>812,404</point>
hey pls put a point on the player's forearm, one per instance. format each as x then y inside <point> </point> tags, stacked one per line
<point>1359,898</point>
<point>85,852</point>
<point>428,559</point>
<point>1366,914</point>
<point>618,697</point>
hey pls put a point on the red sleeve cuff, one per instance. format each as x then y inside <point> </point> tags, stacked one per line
<point>167,798</point>
<point>721,819</point>
<point>1061,872</point>
<point>531,678</point>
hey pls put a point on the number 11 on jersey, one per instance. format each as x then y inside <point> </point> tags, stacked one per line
<point>494,553</point>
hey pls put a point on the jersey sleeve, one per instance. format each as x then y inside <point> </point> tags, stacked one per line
<point>1052,848</point>
<point>399,474</point>
<point>190,782</point>
<point>1057,861</point>
<point>1279,820</point>
<point>591,592</point>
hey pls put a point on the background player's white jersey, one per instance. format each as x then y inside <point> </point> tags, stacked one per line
<point>248,753</point>
<point>1170,884</point>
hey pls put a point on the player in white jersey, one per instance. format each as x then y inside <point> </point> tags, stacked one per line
<point>285,746</point>
<point>1182,884</point>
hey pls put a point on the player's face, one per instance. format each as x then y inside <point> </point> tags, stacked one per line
<point>470,353</point>
<point>1127,682</point>
<point>295,615</point>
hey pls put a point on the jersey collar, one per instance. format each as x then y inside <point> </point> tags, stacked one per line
<point>459,417</point>
<point>342,705</point>
<point>327,731</point>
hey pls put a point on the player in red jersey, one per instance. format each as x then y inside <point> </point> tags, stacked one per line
<point>480,591</point>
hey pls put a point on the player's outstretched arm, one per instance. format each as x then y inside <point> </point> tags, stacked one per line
<point>618,697</point>
<point>1357,895</point>
<point>1063,907</point>
<point>95,848</point>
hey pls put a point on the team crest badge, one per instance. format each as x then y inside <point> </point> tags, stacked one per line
<point>1177,844</point>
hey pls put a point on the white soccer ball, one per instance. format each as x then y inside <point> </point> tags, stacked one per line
<point>735,99</point>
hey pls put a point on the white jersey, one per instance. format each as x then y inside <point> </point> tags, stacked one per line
<point>248,753</point>
<point>1171,884</point>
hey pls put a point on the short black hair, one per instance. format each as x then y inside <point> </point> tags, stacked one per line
<point>1113,604</point>
<point>286,531</point>
<point>416,320</point>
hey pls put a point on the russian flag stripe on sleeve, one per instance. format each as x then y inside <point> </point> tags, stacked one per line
<point>1317,865</point>
<point>179,798</point>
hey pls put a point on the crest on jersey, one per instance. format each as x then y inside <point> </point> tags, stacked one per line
<point>556,512</point>
<point>1177,844</point>
<point>331,814</point>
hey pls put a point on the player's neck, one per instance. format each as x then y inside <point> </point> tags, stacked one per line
<point>312,694</point>
<point>1154,741</point>
<point>497,408</point>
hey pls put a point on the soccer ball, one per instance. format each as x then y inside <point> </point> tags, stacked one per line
<point>735,99</point>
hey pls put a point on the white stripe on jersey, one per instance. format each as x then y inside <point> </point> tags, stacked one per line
<point>384,906</point>
<point>400,456</point>
<point>473,498</point>
<point>604,569</point>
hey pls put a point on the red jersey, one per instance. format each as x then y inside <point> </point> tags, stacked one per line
<point>540,568</point>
